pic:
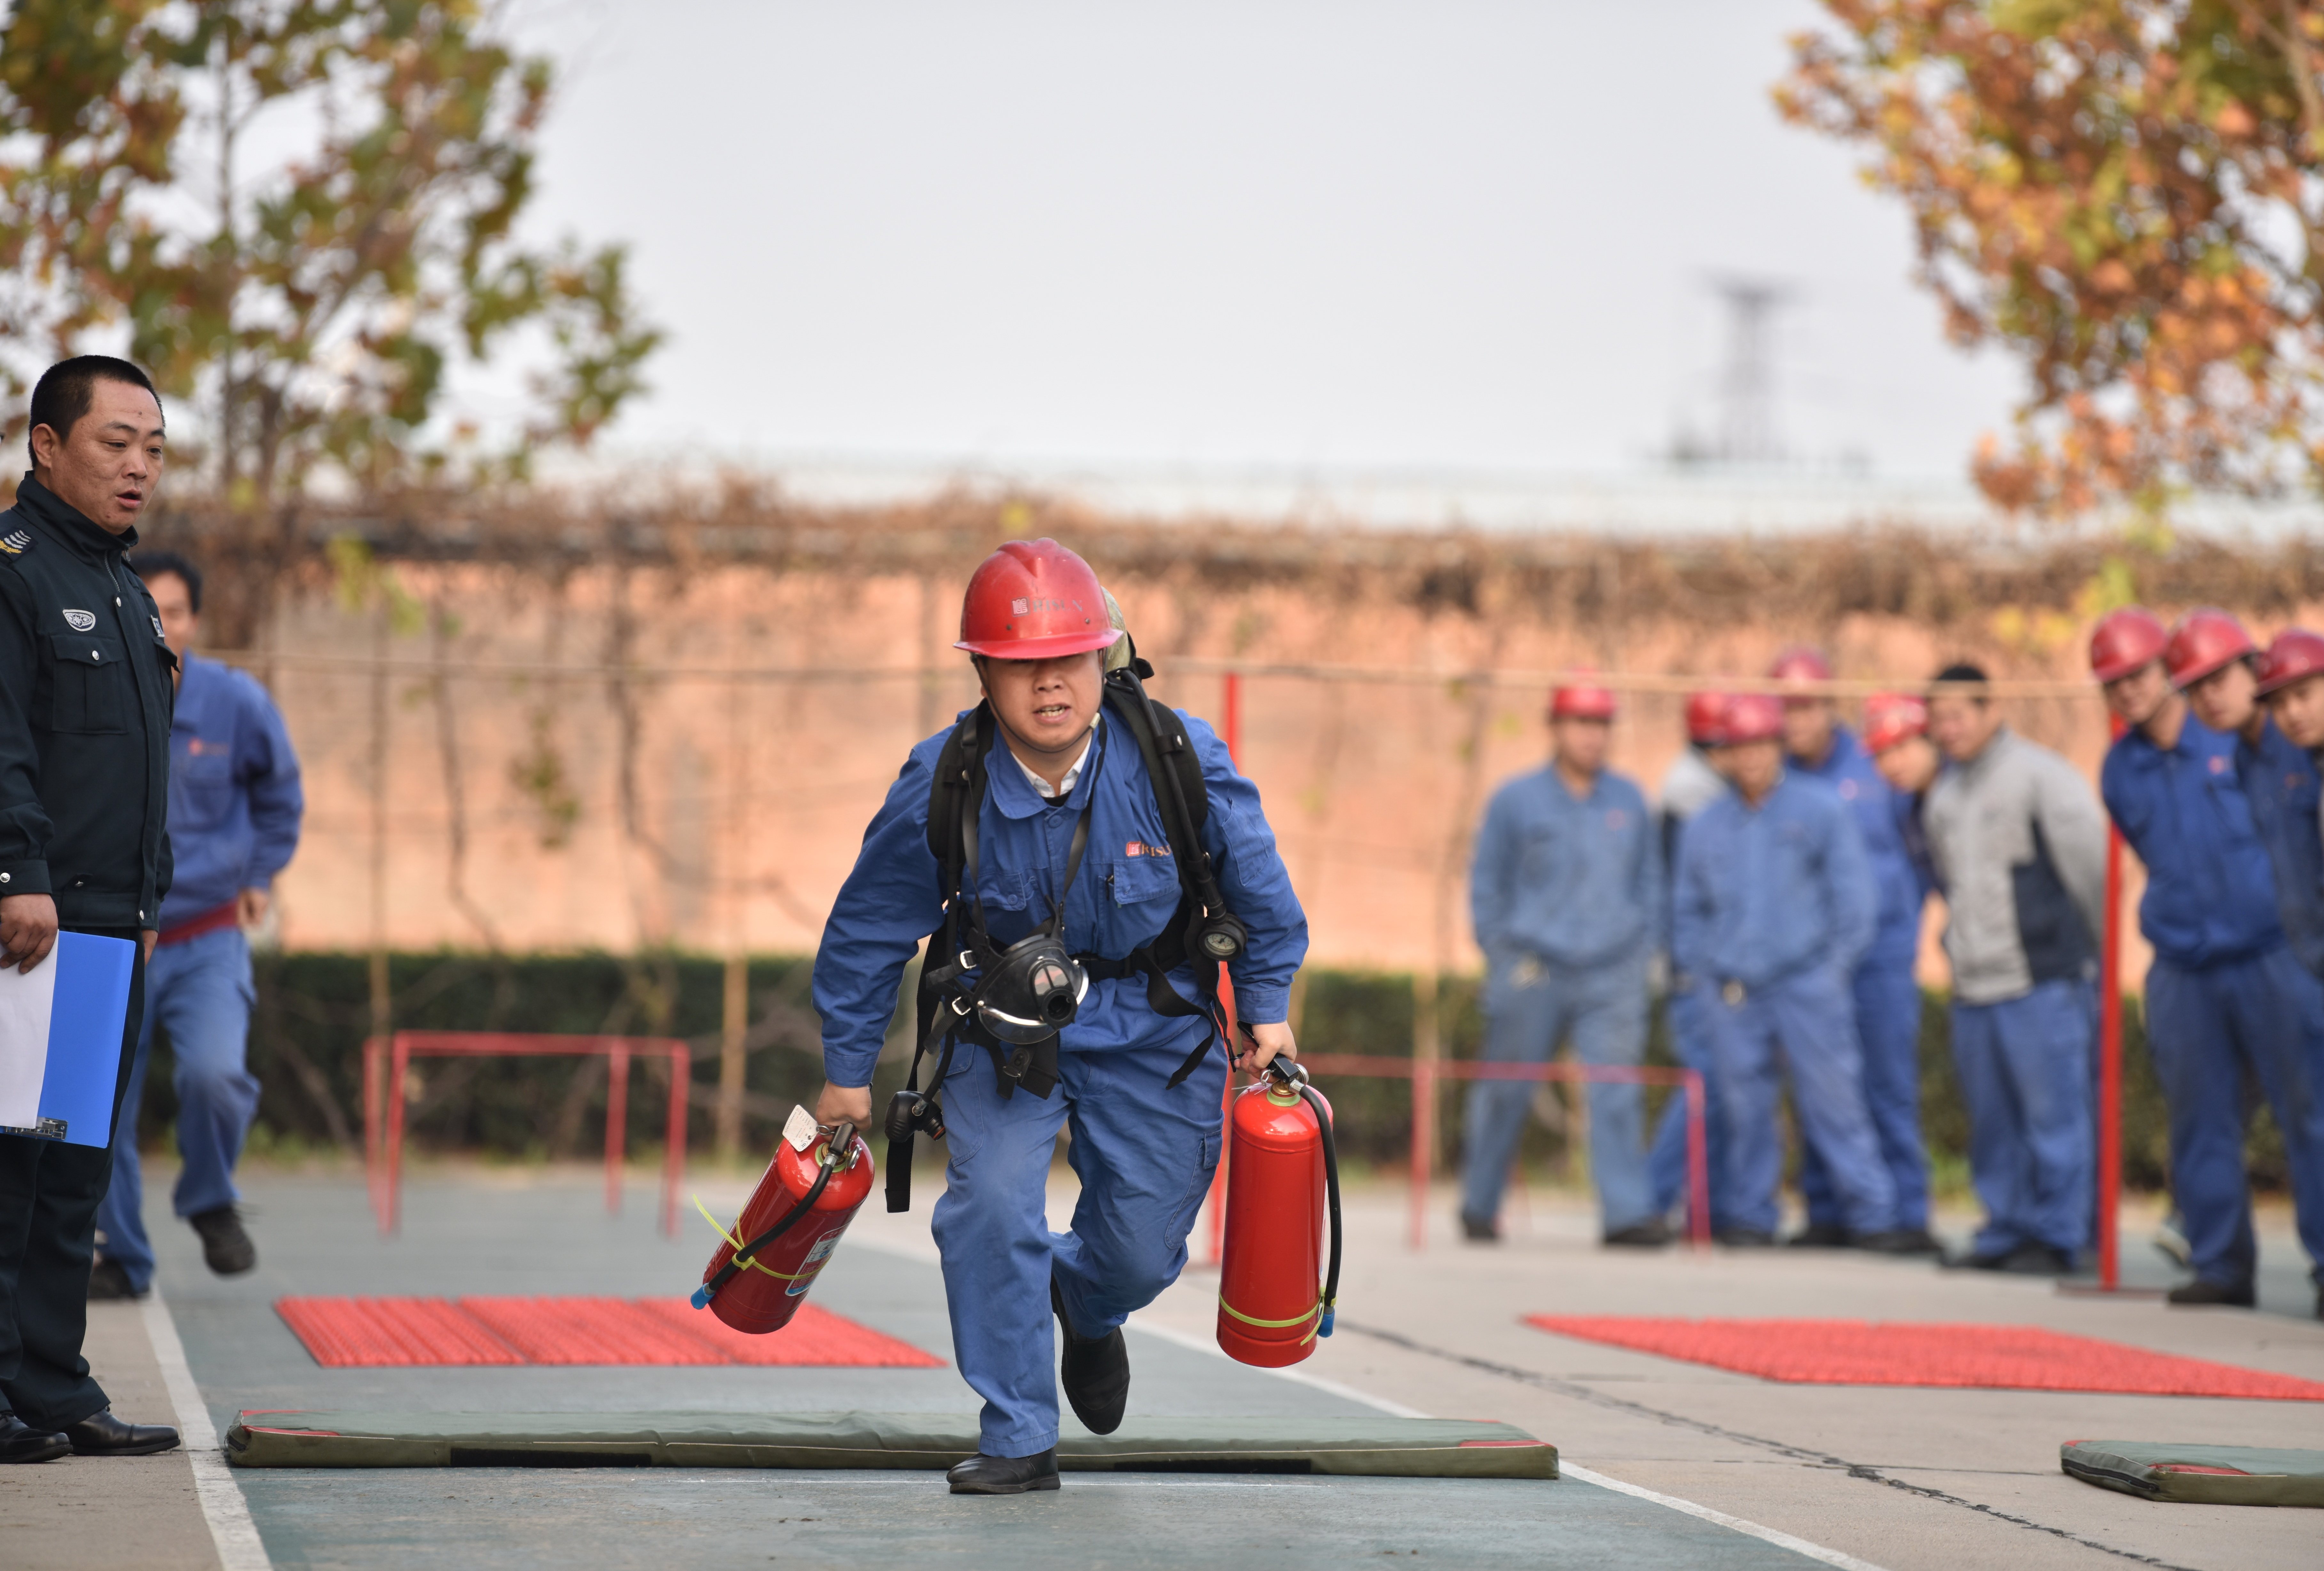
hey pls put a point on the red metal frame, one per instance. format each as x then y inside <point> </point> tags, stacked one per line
<point>1423,1077</point>
<point>383,1104</point>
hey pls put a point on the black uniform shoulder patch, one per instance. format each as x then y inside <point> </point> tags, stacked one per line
<point>15,542</point>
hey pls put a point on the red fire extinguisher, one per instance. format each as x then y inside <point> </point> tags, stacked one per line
<point>1283,1177</point>
<point>760,1274</point>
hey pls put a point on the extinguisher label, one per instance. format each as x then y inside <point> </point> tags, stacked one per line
<point>813,1263</point>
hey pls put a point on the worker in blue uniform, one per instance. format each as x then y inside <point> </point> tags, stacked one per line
<point>2227,1001</point>
<point>1885,992</point>
<point>2224,995</point>
<point>1774,905</point>
<point>2285,802</point>
<point>1567,894</point>
<point>1069,842</point>
<point>1691,783</point>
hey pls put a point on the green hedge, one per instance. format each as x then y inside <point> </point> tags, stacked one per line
<point>314,1009</point>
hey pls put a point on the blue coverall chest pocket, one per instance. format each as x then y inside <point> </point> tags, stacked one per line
<point>88,691</point>
<point>1141,880</point>
<point>206,773</point>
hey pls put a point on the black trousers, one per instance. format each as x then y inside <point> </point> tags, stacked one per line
<point>48,1194</point>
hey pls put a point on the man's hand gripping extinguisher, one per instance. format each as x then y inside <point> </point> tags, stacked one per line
<point>1283,1179</point>
<point>760,1274</point>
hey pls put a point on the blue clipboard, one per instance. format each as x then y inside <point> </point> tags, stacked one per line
<point>60,1034</point>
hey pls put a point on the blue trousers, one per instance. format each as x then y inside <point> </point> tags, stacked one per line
<point>201,992</point>
<point>1145,1154</point>
<point>2025,1068</point>
<point>1806,1024</point>
<point>1888,1030</point>
<point>1529,1006</point>
<point>2213,1030</point>
<point>1666,1160</point>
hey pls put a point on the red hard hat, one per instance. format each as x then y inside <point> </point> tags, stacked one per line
<point>1892,717</point>
<point>1582,700</point>
<point>2204,640</point>
<point>2123,640</point>
<point>1034,600</point>
<point>2295,653</point>
<point>1706,718</point>
<point>1801,662</point>
<point>1753,717</point>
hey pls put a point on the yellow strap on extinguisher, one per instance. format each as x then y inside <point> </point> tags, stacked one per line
<point>736,1243</point>
<point>1316,1313</point>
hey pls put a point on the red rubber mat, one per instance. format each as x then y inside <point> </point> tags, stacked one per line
<point>423,1333</point>
<point>1903,1353</point>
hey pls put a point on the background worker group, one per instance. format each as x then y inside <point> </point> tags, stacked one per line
<point>1799,859</point>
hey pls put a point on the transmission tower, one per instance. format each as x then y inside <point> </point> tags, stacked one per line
<point>1746,383</point>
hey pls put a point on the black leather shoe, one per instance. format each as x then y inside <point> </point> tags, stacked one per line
<point>1479,1229</point>
<point>2227,1295</point>
<point>108,1280</point>
<point>1651,1233</point>
<point>226,1249</point>
<point>20,1442</point>
<point>1896,1240</point>
<point>2037,1259</point>
<point>1096,1373</point>
<point>1747,1238</point>
<point>982,1475</point>
<point>103,1435</point>
<point>1818,1236</point>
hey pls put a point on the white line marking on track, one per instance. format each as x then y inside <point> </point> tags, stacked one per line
<point>239,1547</point>
<point>1782,1540</point>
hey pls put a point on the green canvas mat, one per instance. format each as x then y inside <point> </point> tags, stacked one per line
<point>2199,1475</point>
<point>1369,1446</point>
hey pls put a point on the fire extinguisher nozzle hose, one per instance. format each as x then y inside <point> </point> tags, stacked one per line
<point>1332,1199</point>
<point>702,1297</point>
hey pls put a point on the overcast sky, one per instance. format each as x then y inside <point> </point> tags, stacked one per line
<point>1456,236</point>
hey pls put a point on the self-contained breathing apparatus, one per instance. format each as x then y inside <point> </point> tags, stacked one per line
<point>1013,1001</point>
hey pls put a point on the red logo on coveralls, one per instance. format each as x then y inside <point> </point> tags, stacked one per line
<point>1145,848</point>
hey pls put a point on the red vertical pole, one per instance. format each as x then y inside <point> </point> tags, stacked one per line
<point>1698,1164</point>
<point>2111,1070</point>
<point>617,1125</point>
<point>399,1060</point>
<point>1232,717</point>
<point>673,1145</point>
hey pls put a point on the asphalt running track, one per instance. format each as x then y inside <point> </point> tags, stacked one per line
<point>526,1235</point>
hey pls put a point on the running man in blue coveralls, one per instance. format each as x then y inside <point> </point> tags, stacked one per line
<point>2019,846</point>
<point>1774,905</point>
<point>1566,892</point>
<point>1886,993</point>
<point>234,807</point>
<point>2227,1001</point>
<point>1691,783</point>
<point>1036,622</point>
<point>2280,776</point>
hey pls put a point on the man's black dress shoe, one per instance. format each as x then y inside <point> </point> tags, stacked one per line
<point>103,1435</point>
<point>982,1475</point>
<point>1651,1233</point>
<point>226,1249</point>
<point>20,1442</point>
<point>1818,1236</point>
<point>1096,1373</point>
<point>2229,1295</point>
<point>1479,1229</point>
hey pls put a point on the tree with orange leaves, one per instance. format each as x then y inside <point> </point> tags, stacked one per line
<point>2128,194</point>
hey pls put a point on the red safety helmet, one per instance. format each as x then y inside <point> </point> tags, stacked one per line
<point>2295,653</point>
<point>1706,718</point>
<point>1034,600</point>
<point>1892,717</point>
<point>1582,700</point>
<point>1801,662</point>
<point>2126,639</point>
<point>1753,717</point>
<point>2204,640</point>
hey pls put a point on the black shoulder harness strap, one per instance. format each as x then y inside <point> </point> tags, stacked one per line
<point>955,794</point>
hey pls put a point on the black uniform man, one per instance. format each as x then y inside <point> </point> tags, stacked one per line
<point>85,703</point>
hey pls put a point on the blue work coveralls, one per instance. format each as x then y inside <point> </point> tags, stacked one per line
<point>1774,905</point>
<point>2226,999</point>
<point>1144,1150</point>
<point>1887,994</point>
<point>236,803</point>
<point>1565,894</point>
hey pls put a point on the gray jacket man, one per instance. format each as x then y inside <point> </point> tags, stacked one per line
<point>2019,844</point>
